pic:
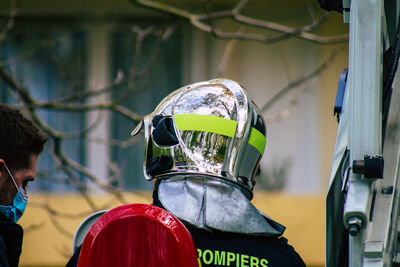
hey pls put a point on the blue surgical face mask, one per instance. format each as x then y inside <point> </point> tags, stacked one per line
<point>17,208</point>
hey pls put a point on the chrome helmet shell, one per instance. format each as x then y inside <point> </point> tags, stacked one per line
<point>210,128</point>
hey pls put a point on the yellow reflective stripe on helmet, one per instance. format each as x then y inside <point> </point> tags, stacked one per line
<point>257,139</point>
<point>205,123</point>
<point>218,125</point>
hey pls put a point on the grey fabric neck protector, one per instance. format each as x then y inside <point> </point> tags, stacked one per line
<point>212,203</point>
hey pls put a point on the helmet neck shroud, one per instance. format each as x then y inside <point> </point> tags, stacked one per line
<point>213,204</point>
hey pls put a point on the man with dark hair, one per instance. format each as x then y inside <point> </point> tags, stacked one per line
<point>21,142</point>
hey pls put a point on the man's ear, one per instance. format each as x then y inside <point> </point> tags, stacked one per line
<point>2,167</point>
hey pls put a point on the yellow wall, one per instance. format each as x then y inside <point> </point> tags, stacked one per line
<point>48,238</point>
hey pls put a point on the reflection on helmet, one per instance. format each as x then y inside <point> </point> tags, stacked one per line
<point>209,128</point>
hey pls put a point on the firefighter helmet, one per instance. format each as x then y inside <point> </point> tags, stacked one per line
<point>209,128</point>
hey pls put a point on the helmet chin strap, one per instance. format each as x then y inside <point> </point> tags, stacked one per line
<point>214,204</point>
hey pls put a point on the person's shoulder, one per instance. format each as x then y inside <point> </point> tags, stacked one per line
<point>8,228</point>
<point>281,249</point>
<point>283,245</point>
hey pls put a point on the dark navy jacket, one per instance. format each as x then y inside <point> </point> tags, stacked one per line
<point>11,235</point>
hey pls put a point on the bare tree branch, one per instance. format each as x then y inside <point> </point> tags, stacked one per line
<point>11,21</point>
<point>299,81</point>
<point>227,55</point>
<point>66,215</point>
<point>59,227</point>
<point>45,44</point>
<point>113,142</point>
<point>197,20</point>
<point>287,112</point>
<point>75,181</point>
<point>81,169</point>
<point>88,107</point>
<point>33,227</point>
